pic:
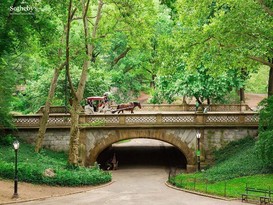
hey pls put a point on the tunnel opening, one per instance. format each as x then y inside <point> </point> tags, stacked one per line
<point>142,153</point>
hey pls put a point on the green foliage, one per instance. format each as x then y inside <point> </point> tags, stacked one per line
<point>257,83</point>
<point>236,165</point>
<point>199,84</point>
<point>266,117</point>
<point>163,91</point>
<point>220,36</point>
<point>264,147</point>
<point>265,143</point>
<point>7,140</point>
<point>6,89</point>
<point>94,124</point>
<point>213,40</point>
<point>228,188</point>
<point>231,98</point>
<point>22,35</point>
<point>237,160</point>
<point>31,167</point>
<point>127,91</point>
<point>228,151</point>
<point>223,35</point>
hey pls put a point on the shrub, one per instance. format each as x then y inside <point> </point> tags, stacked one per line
<point>264,145</point>
<point>6,140</point>
<point>31,167</point>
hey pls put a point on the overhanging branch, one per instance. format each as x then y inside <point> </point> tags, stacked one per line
<point>261,60</point>
<point>122,55</point>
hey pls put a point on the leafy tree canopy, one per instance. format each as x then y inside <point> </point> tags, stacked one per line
<point>222,35</point>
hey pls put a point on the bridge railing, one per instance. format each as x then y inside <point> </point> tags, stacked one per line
<point>171,119</point>
<point>191,107</point>
<point>143,120</point>
<point>168,107</point>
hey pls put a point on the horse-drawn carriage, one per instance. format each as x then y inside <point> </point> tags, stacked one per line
<point>102,104</point>
<point>97,104</point>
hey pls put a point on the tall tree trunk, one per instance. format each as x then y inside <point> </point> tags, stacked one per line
<point>53,85</point>
<point>44,119</point>
<point>208,101</point>
<point>242,95</point>
<point>152,82</point>
<point>77,97</point>
<point>184,100</point>
<point>270,82</point>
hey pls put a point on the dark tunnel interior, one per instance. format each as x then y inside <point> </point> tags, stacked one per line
<point>142,153</point>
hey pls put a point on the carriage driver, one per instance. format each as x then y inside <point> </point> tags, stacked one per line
<point>106,97</point>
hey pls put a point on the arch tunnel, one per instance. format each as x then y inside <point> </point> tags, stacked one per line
<point>143,153</point>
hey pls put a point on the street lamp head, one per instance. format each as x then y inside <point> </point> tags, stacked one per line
<point>198,134</point>
<point>16,144</point>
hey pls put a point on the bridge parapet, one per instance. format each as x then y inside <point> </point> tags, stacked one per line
<point>188,119</point>
<point>192,107</point>
<point>168,107</point>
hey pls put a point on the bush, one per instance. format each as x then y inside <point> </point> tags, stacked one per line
<point>31,167</point>
<point>264,145</point>
<point>6,140</point>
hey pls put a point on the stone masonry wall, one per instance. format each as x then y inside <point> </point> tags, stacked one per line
<point>94,141</point>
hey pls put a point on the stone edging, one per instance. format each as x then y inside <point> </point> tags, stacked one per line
<point>198,193</point>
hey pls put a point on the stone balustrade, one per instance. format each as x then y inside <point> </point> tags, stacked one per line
<point>168,107</point>
<point>187,119</point>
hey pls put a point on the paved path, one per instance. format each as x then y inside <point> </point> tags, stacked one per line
<point>136,185</point>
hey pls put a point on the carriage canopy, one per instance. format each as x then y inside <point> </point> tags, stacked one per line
<point>96,98</point>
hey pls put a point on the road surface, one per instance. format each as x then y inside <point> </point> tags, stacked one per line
<point>137,184</point>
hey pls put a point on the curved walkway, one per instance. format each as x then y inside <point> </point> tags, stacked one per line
<point>136,186</point>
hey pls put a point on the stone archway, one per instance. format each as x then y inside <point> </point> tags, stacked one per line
<point>157,134</point>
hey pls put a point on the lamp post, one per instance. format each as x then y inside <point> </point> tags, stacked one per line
<point>16,145</point>
<point>198,136</point>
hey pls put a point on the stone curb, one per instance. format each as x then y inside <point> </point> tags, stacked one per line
<point>58,195</point>
<point>199,193</point>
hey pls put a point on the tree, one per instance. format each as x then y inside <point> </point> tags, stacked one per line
<point>199,84</point>
<point>226,34</point>
<point>18,32</point>
<point>6,89</point>
<point>144,62</point>
<point>53,85</point>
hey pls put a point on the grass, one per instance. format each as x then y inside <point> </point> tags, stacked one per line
<point>31,167</point>
<point>228,188</point>
<point>236,166</point>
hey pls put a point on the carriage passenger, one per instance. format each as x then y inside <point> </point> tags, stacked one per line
<point>89,108</point>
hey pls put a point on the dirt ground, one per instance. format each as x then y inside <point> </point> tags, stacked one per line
<point>28,191</point>
<point>252,99</point>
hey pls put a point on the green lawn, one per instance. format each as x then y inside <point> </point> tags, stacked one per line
<point>236,166</point>
<point>229,188</point>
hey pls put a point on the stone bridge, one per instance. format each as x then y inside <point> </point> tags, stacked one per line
<point>98,132</point>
